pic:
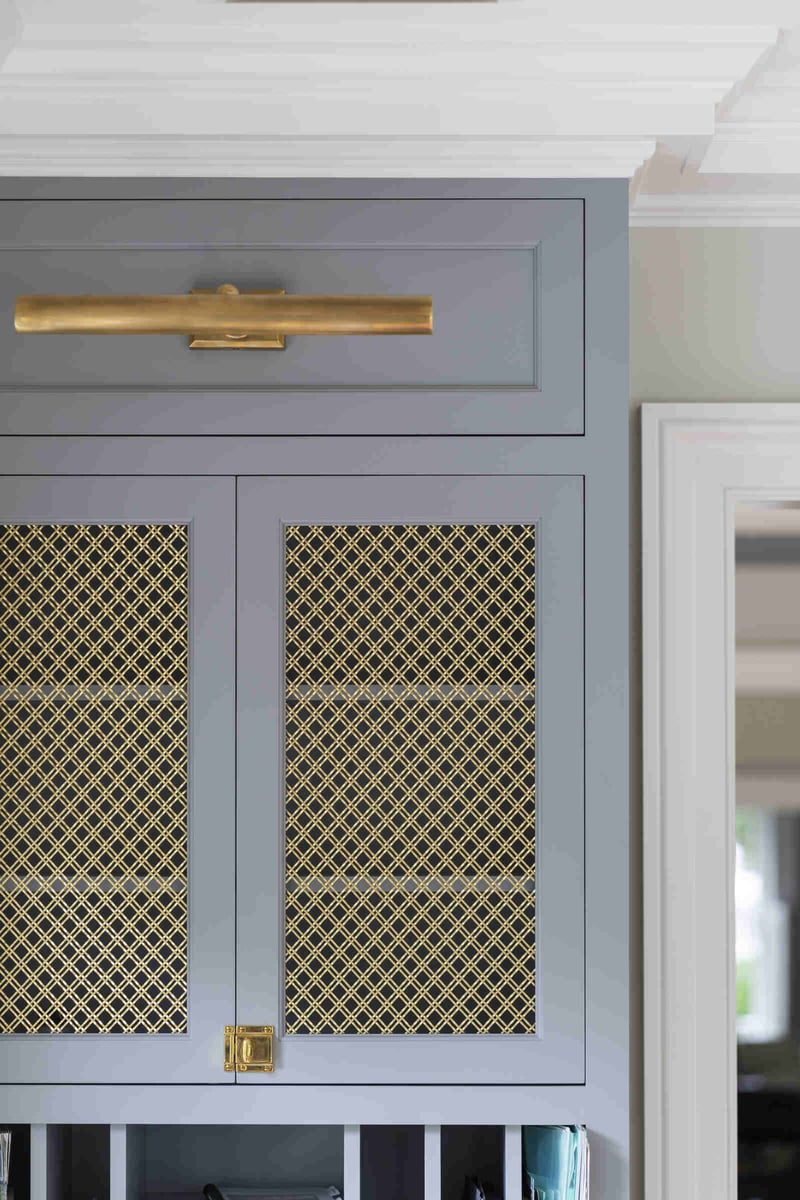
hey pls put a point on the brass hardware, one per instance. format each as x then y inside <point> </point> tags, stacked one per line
<point>236,341</point>
<point>249,1048</point>
<point>410,794</point>
<point>93,774</point>
<point>226,319</point>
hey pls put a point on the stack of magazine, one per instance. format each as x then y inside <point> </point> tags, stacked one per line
<point>222,1191</point>
<point>557,1162</point>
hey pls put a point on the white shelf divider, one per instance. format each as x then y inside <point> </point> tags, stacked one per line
<point>512,1163</point>
<point>118,1163</point>
<point>433,1162</point>
<point>38,1162</point>
<point>352,1162</point>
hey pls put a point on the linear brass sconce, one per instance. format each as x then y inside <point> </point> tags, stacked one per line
<point>226,319</point>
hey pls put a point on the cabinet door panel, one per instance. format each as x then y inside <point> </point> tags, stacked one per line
<point>410,802</point>
<point>506,355</point>
<point>116,697</point>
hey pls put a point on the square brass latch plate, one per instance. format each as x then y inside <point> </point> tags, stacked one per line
<point>249,1048</point>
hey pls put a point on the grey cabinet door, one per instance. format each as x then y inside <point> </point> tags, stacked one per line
<point>410,898</point>
<point>506,354</point>
<point>116,778</point>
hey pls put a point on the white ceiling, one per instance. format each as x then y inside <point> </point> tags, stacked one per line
<point>695,102</point>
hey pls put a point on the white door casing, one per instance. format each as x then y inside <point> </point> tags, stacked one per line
<point>698,462</point>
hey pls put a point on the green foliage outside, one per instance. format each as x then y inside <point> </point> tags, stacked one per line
<point>744,988</point>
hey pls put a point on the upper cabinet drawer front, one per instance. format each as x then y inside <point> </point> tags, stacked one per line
<point>506,355</point>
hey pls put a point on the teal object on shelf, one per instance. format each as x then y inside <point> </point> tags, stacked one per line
<point>557,1162</point>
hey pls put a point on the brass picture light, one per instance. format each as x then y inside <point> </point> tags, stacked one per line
<point>226,319</point>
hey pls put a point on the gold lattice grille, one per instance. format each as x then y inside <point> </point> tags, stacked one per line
<point>409,779</point>
<point>93,778</point>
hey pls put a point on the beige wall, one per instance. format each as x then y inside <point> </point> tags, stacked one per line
<point>715,315</point>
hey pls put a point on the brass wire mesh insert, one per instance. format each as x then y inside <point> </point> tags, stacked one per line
<point>410,746</point>
<point>93,778</point>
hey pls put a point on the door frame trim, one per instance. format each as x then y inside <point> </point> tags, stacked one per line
<point>698,460</point>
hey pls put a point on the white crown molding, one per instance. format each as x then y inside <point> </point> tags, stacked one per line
<point>755,148</point>
<point>137,88</point>
<point>701,14</point>
<point>10,28</point>
<point>758,130</point>
<point>715,211</point>
<point>304,157</point>
<point>748,172</point>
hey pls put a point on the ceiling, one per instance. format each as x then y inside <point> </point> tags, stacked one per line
<point>694,103</point>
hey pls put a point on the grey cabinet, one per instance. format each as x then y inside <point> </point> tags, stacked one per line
<point>117,699</point>
<point>410,876</point>
<point>399,751</point>
<point>506,277</point>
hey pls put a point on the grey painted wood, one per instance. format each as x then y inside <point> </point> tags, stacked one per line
<point>39,1164</point>
<point>293,456</point>
<point>208,506</point>
<point>432,1149</point>
<point>506,277</point>
<point>556,1053</point>
<point>326,223</point>
<point>352,1162</point>
<point>391,1104</point>
<point>606,561</point>
<point>50,189</point>
<point>512,1162</point>
<point>601,456</point>
<point>118,1162</point>
<point>611,822</point>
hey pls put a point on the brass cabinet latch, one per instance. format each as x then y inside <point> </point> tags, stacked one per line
<point>248,1047</point>
<point>226,319</point>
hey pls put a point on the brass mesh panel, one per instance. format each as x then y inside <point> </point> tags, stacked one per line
<point>409,779</point>
<point>93,778</point>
